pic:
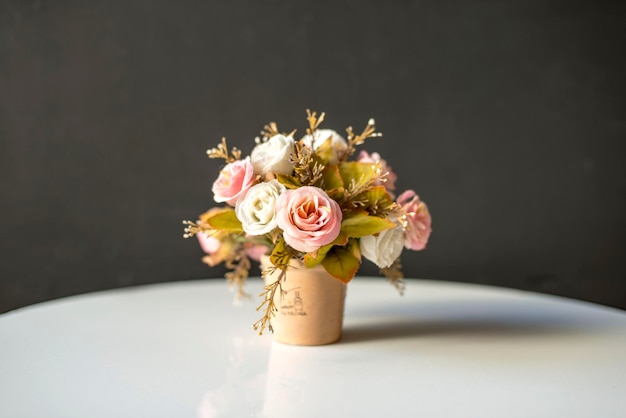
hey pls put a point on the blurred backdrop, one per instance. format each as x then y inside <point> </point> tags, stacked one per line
<point>507,117</point>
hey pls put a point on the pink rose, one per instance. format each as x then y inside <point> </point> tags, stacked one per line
<point>217,249</point>
<point>209,244</point>
<point>391,177</point>
<point>418,220</point>
<point>234,181</point>
<point>217,244</point>
<point>308,217</point>
<point>255,251</point>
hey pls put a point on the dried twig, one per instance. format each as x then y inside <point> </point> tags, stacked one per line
<point>221,151</point>
<point>268,305</point>
<point>354,140</point>
<point>240,265</point>
<point>269,130</point>
<point>306,169</point>
<point>395,276</point>
<point>314,121</point>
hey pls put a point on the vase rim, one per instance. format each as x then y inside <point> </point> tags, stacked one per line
<point>294,263</point>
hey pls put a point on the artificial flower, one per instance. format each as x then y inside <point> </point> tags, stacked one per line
<point>255,251</point>
<point>217,244</point>
<point>234,181</point>
<point>328,144</point>
<point>389,181</point>
<point>384,248</point>
<point>308,217</point>
<point>418,220</point>
<point>312,200</point>
<point>257,209</point>
<point>274,156</point>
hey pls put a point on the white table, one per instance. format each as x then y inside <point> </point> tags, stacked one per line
<point>442,350</point>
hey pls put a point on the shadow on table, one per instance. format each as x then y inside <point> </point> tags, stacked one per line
<point>474,319</point>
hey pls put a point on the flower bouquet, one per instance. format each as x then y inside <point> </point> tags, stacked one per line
<point>309,201</point>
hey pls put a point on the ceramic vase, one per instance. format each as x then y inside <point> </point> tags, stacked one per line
<point>310,310</point>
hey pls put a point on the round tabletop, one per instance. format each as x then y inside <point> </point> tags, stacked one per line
<point>441,350</point>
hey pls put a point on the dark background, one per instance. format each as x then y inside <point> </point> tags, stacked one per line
<point>507,117</point>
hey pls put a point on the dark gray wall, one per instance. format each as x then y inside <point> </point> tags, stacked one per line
<point>507,117</point>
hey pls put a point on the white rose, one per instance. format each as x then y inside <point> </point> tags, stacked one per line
<point>273,155</point>
<point>256,210</point>
<point>338,145</point>
<point>385,248</point>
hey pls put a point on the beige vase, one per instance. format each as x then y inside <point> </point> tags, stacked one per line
<point>311,310</point>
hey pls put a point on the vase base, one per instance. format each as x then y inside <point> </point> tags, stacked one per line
<point>309,343</point>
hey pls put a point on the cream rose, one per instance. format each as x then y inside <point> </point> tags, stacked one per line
<point>233,182</point>
<point>274,155</point>
<point>257,209</point>
<point>383,249</point>
<point>308,217</point>
<point>338,145</point>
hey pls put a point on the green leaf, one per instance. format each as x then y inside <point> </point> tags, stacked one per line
<point>361,173</point>
<point>361,224</point>
<point>225,221</point>
<point>289,182</point>
<point>341,263</point>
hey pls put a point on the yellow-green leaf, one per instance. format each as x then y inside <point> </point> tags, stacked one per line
<point>289,182</point>
<point>377,197</point>
<point>332,177</point>
<point>341,263</point>
<point>325,151</point>
<point>280,255</point>
<point>361,173</point>
<point>361,225</point>
<point>225,221</point>
<point>342,239</point>
<point>314,258</point>
<point>355,248</point>
<point>337,195</point>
